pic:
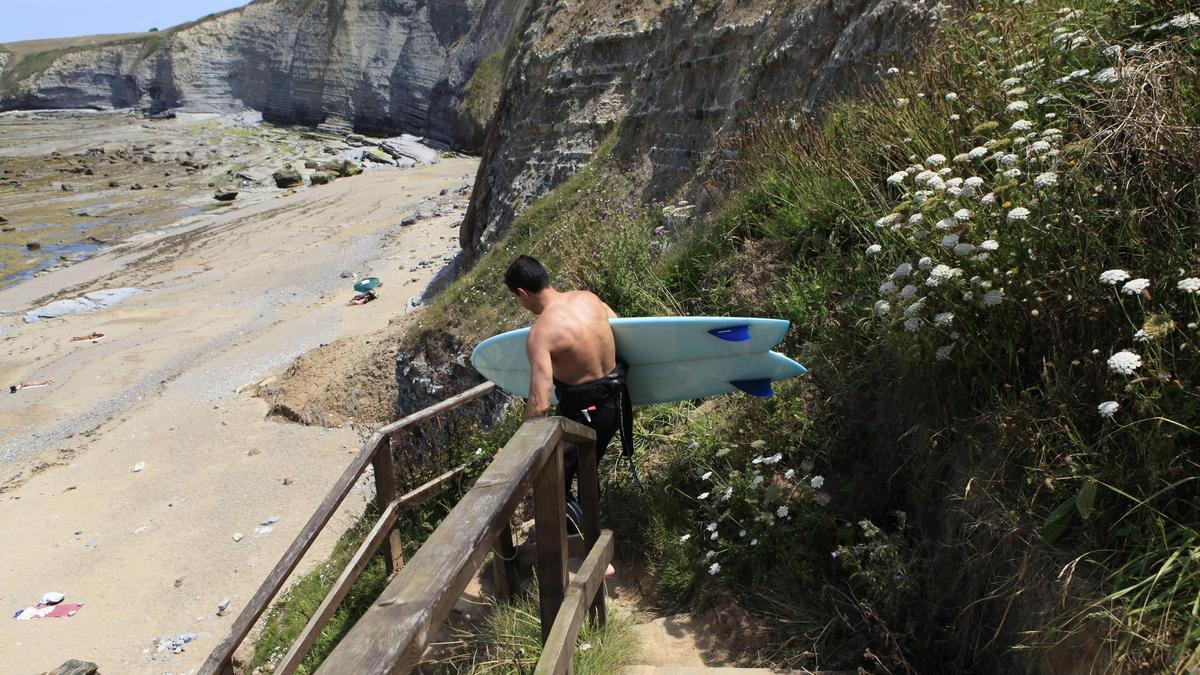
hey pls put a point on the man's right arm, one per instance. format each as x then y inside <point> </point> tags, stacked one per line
<point>541,377</point>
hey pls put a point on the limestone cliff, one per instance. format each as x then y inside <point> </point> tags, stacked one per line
<point>383,65</point>
<point>671,78</point>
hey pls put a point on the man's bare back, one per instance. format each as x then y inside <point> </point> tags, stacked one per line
<point>574,329</point>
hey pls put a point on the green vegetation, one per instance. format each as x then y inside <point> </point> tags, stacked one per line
<point>510,642</point>
<point>990,264</point>
<point>483,89</point>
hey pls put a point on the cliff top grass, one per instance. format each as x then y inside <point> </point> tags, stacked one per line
<point>989,263</point>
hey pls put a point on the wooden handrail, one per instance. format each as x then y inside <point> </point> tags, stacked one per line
<point>560,645</point>
<point>391,636</point>
<point>219,661</point>
<point>291,661</point>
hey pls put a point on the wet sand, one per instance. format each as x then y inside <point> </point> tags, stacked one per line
<point>231,297</point>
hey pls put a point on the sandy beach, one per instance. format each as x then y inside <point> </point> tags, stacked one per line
<point>229,299</point>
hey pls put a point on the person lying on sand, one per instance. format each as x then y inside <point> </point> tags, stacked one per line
<point>28,384</point>
<point>81,338</point>
<point>362,298</point>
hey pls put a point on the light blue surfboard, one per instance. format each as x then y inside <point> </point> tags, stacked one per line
<point>670,358</point>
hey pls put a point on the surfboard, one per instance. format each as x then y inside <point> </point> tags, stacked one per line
<point>670,358</point>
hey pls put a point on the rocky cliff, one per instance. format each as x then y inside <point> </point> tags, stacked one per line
<point>671,79</point>
<point>373,64</point>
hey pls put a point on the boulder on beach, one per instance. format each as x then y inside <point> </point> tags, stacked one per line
<point>225,195</point>
<point>351,168</point>
<point>311,164</point>
<point>33,246</point>
<point>320,178</point>
<point>3,219</point>
<point>286,178</point>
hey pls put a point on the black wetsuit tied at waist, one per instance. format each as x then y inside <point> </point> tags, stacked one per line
<point>602,404</point>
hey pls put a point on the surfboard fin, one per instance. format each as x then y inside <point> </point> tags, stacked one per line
<point>760,388</point>
<point>739,333</point>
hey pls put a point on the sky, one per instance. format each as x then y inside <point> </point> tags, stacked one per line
<point>38,19</point>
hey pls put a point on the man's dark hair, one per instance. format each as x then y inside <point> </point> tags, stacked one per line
<point>527,273</point>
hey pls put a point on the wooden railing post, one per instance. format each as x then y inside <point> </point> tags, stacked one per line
<point>589,497</point>
<point>385,492</point>
<point>550,526</point>
<point>504,565</point>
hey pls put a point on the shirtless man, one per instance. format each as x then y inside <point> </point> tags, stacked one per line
<point>571,348</point>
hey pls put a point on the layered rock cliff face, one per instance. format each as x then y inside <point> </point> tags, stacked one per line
<point>671,79</point>
<point>382,65</point>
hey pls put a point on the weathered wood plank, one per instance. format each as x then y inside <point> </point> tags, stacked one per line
<point>589,498</point>
<point>504,565</point>
<point>385,492</point>
<point>550,526</point>
<point>221,656</point>
<point>341,587</point>
<point>362,557</point>
<point>393,633</point>
<point>560,645</point>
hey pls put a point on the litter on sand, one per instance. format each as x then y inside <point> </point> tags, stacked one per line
<point>53,598</point>
<point>29,384</point>
<point>138,468</point>
<point>43,611</point>
<point>270,521</point>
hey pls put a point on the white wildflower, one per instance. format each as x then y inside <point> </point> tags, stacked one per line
<point>1019,213</point>
<point>988,200</point>
<point>706,475</point>
<point>712,527</point>
<point>703,496</point>
<point>974,182</point>
<point>889,219</point>
<point>817,482</point>
<point>943,319</point>
<point>993,298</point>
<point>887,288</point>
<point>925,263</point>
<point>1017,106</point>
<point>1106,76</point>
<point>936,183</point>
<point>945,224</point>
<point>943,352</point>
<point>727,494</point>
<point>709,555</point>
<point>950,240</point>
<point>935,160</point>
<point>1021,125</point>
<point>897,178</point>
<point>1012,81</point>
<point>1189,285</point>
<point>1135,286</point>
<point>893,70</point>
<point>685,538</point>
<point>874,249</point>
<point>1113,277</point>
<point>754,542</point>
<point>714,568</point>
<point>963,214</point>
<point>773,459</point>
<point>789,474</point>
<point>989,245</point>
<point>924,177</point>
<point>882,307</point>
<point>1013,173</point>
<point>912,325</point>
<point>1037,148</point>
<point>963,249</point>
<point>1045,180</point>
<point>955,117</point>
<point>1187,20</point>
<point>951,96</point>
<point>1124,362</point>
<point>1108,408</point>
<point>908,291</point>
<point>902,271</point>
<point>782,512</point>
<point>940,274</point>
<point>1009,159</point>
<point>902,101</point>
<point>758,479</point>
<point>977,152</point>
<point>916,218</point>
<point>1142,336</point>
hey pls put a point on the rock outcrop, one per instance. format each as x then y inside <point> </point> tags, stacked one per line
<point>668,81</point>
<point>380,65</point>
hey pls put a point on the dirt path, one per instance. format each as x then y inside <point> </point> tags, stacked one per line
<point>229,299</point>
